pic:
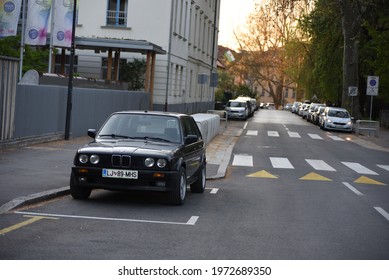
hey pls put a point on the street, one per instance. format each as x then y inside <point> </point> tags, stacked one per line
<point>292,191</point>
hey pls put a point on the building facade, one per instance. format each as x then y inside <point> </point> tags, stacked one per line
<point>186,29</point>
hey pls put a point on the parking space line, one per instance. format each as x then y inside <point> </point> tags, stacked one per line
<point>32,219</point>
<point>382,212</point>
<point>354,190</point>
<point>191,221</point>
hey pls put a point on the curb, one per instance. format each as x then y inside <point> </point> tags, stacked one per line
<point>33,198</point>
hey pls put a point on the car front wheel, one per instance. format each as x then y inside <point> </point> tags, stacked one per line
<point>76,191</point>
<point>178,194</point>
<point>199,185</point>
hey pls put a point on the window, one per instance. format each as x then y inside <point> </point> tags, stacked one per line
<point>117,12</point>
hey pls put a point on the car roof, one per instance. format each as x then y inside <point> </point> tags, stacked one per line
<point>155,113</point>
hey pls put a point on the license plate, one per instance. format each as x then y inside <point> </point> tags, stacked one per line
<point>120,174</point>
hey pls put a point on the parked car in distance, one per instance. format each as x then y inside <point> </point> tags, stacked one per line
<point>288,106</point>
<point>295,107</point>
<point>141,150</point>
<point>311,110</point>
<point>316,115</point>
<point>336,119</point>
<point>238,109</point>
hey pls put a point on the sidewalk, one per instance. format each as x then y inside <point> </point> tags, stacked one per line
<point>38,172</point>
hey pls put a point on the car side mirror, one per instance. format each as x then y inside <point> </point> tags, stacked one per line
<point>92,133</point>
<point>190,139</point>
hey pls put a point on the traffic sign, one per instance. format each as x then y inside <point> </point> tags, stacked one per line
<point>372,85</point>
<point>352,91</point>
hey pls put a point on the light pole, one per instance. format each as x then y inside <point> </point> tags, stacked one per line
<point>71,66</point>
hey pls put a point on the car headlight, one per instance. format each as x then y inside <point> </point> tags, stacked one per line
<point>149,162</point>
<point>161,163</point>
<point>94,159</point>
<point>328,120</point>
<point>83,158</point>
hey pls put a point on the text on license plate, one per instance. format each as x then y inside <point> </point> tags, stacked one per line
<point>119,173</point>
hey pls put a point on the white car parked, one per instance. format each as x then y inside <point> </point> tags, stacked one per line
<point>336,119</point>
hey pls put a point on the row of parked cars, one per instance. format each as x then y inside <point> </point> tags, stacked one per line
<point>241,108</point>
<point>326,117</point>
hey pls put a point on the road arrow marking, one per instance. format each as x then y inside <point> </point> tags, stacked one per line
<point>366,180</point>
<point>262,174</point>
<point>314,177</point>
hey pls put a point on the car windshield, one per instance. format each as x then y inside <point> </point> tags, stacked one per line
<point>142,126</point>
<point>338,114</point>
<point>236,104</point>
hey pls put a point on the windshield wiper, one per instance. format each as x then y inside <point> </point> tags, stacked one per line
<point>157,139</point>
<point>115,136</point>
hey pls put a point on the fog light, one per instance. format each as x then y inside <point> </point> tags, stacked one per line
<point>82,179</point>
<point>159,175</point>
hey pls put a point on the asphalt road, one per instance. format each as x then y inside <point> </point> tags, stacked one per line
<point>292,192</point>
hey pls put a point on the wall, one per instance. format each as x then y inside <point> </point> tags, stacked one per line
<point>41,110</point>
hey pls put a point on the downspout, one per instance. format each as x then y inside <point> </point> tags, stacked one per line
<point>169,56</point>
<point>213,46</point>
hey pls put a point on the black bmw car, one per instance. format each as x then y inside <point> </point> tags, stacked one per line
<point>142,150</point>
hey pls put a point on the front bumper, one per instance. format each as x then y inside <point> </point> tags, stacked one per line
<point>147,180</point>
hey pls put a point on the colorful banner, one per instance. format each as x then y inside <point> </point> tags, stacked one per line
<point>9,17</point>
<point>37,22</point>
<point>63,21</point>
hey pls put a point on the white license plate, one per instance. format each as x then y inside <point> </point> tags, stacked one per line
<point>119,173</point>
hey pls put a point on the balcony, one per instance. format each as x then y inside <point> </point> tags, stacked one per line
<point>116,18</point>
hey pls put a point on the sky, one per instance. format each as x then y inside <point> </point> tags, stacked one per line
<point>233,15</point>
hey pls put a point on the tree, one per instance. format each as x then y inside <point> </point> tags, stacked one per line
<point>352,13</point>
<point>264,54</point>
<point>34,57</point>
<point>133,73</point>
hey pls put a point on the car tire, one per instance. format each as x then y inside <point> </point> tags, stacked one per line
<point>199,185</point>
<point>76,191</point>
<point>178,194</point>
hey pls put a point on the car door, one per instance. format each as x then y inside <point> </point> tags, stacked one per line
<point>193,152</point>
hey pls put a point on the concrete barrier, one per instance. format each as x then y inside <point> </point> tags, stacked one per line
<point>367,126</point>
<point>208,124</point>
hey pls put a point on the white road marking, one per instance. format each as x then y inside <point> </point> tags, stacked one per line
<point>294,134</point>
<point>386,167</point>
<point>315,136</point>
<point>245,125</point>
<point>279,162</point>
<point>336,138</point>
<point>354,190</point>
<point>252,132</point>
<point>360,169</point>
<point>320,165</point>
<point>273,134</point>
<point>242,160</point>
<point>191,221</point>
<point>214,190</point>
<point>382,212</point>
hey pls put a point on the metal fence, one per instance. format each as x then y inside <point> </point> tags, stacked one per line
<point>8,80</point>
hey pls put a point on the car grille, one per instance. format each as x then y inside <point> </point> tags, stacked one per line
<point>121,161</point>
<point>338,123</point>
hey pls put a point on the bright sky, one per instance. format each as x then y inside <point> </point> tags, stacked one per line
<point>233,15</point>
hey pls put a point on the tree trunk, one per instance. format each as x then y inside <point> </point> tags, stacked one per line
<point>351,22</point>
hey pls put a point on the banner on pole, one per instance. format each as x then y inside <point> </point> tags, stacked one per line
<point>9,17</point>
<point>37,22</point>
<point>63,21</point>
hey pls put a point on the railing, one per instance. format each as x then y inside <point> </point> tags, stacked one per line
<point>116,18</point>
<point>367,126</point>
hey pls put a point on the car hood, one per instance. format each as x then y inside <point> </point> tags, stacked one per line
<point>339,120</point>
<point>236,108</point>
<point>133,147</point>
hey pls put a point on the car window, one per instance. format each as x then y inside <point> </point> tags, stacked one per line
<point>142,126</point>
<point>189,127</point>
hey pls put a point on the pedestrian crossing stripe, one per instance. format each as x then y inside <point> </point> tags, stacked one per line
<point>366,180</point>
<point>314,177</point>
<point>262,174</point>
